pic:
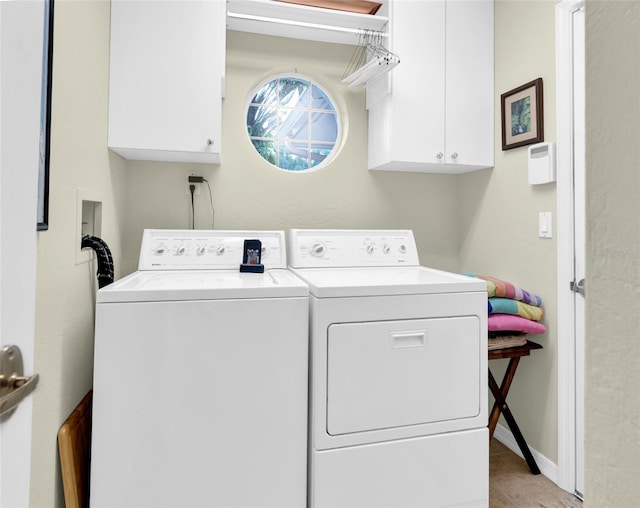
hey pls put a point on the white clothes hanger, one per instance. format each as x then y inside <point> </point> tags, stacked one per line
<point>370,60</point>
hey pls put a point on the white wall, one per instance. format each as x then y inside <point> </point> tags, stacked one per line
<point>499,215</point>
<point>66,290</point>
<point>485,221</point>
<point>612,433</point>
<point>249,193</point>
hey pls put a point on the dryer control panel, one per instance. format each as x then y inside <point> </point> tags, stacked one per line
<point>164,249</point>
<point>316,248</point>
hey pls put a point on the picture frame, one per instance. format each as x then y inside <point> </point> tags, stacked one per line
<point>45,120</point>
<point>522,115</point>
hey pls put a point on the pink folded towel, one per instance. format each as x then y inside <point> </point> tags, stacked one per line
<point>500,322</point>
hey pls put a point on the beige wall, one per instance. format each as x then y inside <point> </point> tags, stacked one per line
<point>485,221</point>
<point>249,193</point>
<point>65,290</point>
<point>612,434</point>
<point>499,214</point>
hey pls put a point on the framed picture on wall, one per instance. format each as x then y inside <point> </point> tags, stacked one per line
<point>522,115</point>
<point>45,119</point>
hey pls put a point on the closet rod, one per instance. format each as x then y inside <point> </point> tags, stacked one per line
<point>302,24</point>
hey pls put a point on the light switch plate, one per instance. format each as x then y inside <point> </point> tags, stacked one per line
<point>545,229</point>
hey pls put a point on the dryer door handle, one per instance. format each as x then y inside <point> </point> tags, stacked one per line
<point>408,339</point>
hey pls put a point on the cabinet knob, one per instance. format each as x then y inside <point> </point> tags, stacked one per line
<point>454,155</point>
<point>439,155</point>
<point>209,141</point>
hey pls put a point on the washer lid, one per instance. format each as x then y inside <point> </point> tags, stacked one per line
<point>385,281</point>
<point>178,285</point>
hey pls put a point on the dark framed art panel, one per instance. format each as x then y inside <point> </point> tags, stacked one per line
<point>522,115</point>
<point>45,118</point>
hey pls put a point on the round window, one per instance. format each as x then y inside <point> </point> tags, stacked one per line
<point>293,123</point>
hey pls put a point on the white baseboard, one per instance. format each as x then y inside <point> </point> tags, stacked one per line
<point>546,466</point>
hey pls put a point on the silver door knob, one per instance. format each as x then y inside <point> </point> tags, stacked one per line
<point>14,386</point>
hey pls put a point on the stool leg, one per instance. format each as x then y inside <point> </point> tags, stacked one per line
<point>494,416</point>
<point>531,462</point>
<point>504,389</point>
<point>500,406</point>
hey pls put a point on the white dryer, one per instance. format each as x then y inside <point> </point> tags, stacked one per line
<point>200,377</point>
<point>398,359</point>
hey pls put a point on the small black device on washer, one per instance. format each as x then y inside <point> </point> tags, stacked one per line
<point>252,257</point>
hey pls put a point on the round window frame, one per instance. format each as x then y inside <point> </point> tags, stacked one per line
<point>337,147</point>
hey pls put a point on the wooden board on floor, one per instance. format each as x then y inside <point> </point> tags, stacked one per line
<point>74,445</point>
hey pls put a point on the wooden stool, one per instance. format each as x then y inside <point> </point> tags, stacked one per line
<point>500,394</point>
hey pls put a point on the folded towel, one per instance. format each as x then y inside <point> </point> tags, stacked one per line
<point>504,289</point>
<point>508,306</point>
<point>506,341</point>
<point>497,322</point>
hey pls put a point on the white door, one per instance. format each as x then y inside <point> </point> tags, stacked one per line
<point>579,232</point>
<point>571,241</point>
<point>21,36</point>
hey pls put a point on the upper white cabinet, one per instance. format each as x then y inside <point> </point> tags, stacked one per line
<point>166,79</point>
<point>270,17</point>
<point>435,111</point>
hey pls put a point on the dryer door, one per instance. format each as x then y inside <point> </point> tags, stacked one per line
<point>390,374</point>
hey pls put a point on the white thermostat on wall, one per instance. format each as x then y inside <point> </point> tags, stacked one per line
<point>542,163</point>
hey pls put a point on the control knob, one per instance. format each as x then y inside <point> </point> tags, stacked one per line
<point>386,248</point>
<point>200,250</point>
<point>370,248</point>
<point>318,249</point>
<point>180,250</point>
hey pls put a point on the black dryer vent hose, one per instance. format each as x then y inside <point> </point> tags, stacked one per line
<point>103,255</point>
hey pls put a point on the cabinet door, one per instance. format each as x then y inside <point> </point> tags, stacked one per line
<point>406,108</point>
<point>418,94</point>
<point>167,61</point>
<point>469,78</point>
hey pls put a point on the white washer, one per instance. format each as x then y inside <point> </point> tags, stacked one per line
<point>398,397</point>
<point>200,377</point>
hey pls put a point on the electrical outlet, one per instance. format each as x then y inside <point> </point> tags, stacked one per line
<point>187,189</point>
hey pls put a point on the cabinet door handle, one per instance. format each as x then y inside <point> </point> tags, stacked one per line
<point>209,141</point>
<point>439,155</point>
<point>454,155</point>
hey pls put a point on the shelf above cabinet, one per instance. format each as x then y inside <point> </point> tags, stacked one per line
<point>269,17</point>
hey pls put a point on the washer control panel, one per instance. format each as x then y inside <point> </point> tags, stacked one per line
<point>314,248</point>
<point>164,249</point>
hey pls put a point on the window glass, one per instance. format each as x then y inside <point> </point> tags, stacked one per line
<point>293,123</point>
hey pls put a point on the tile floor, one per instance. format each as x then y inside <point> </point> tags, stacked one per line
<point>511,484</point>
